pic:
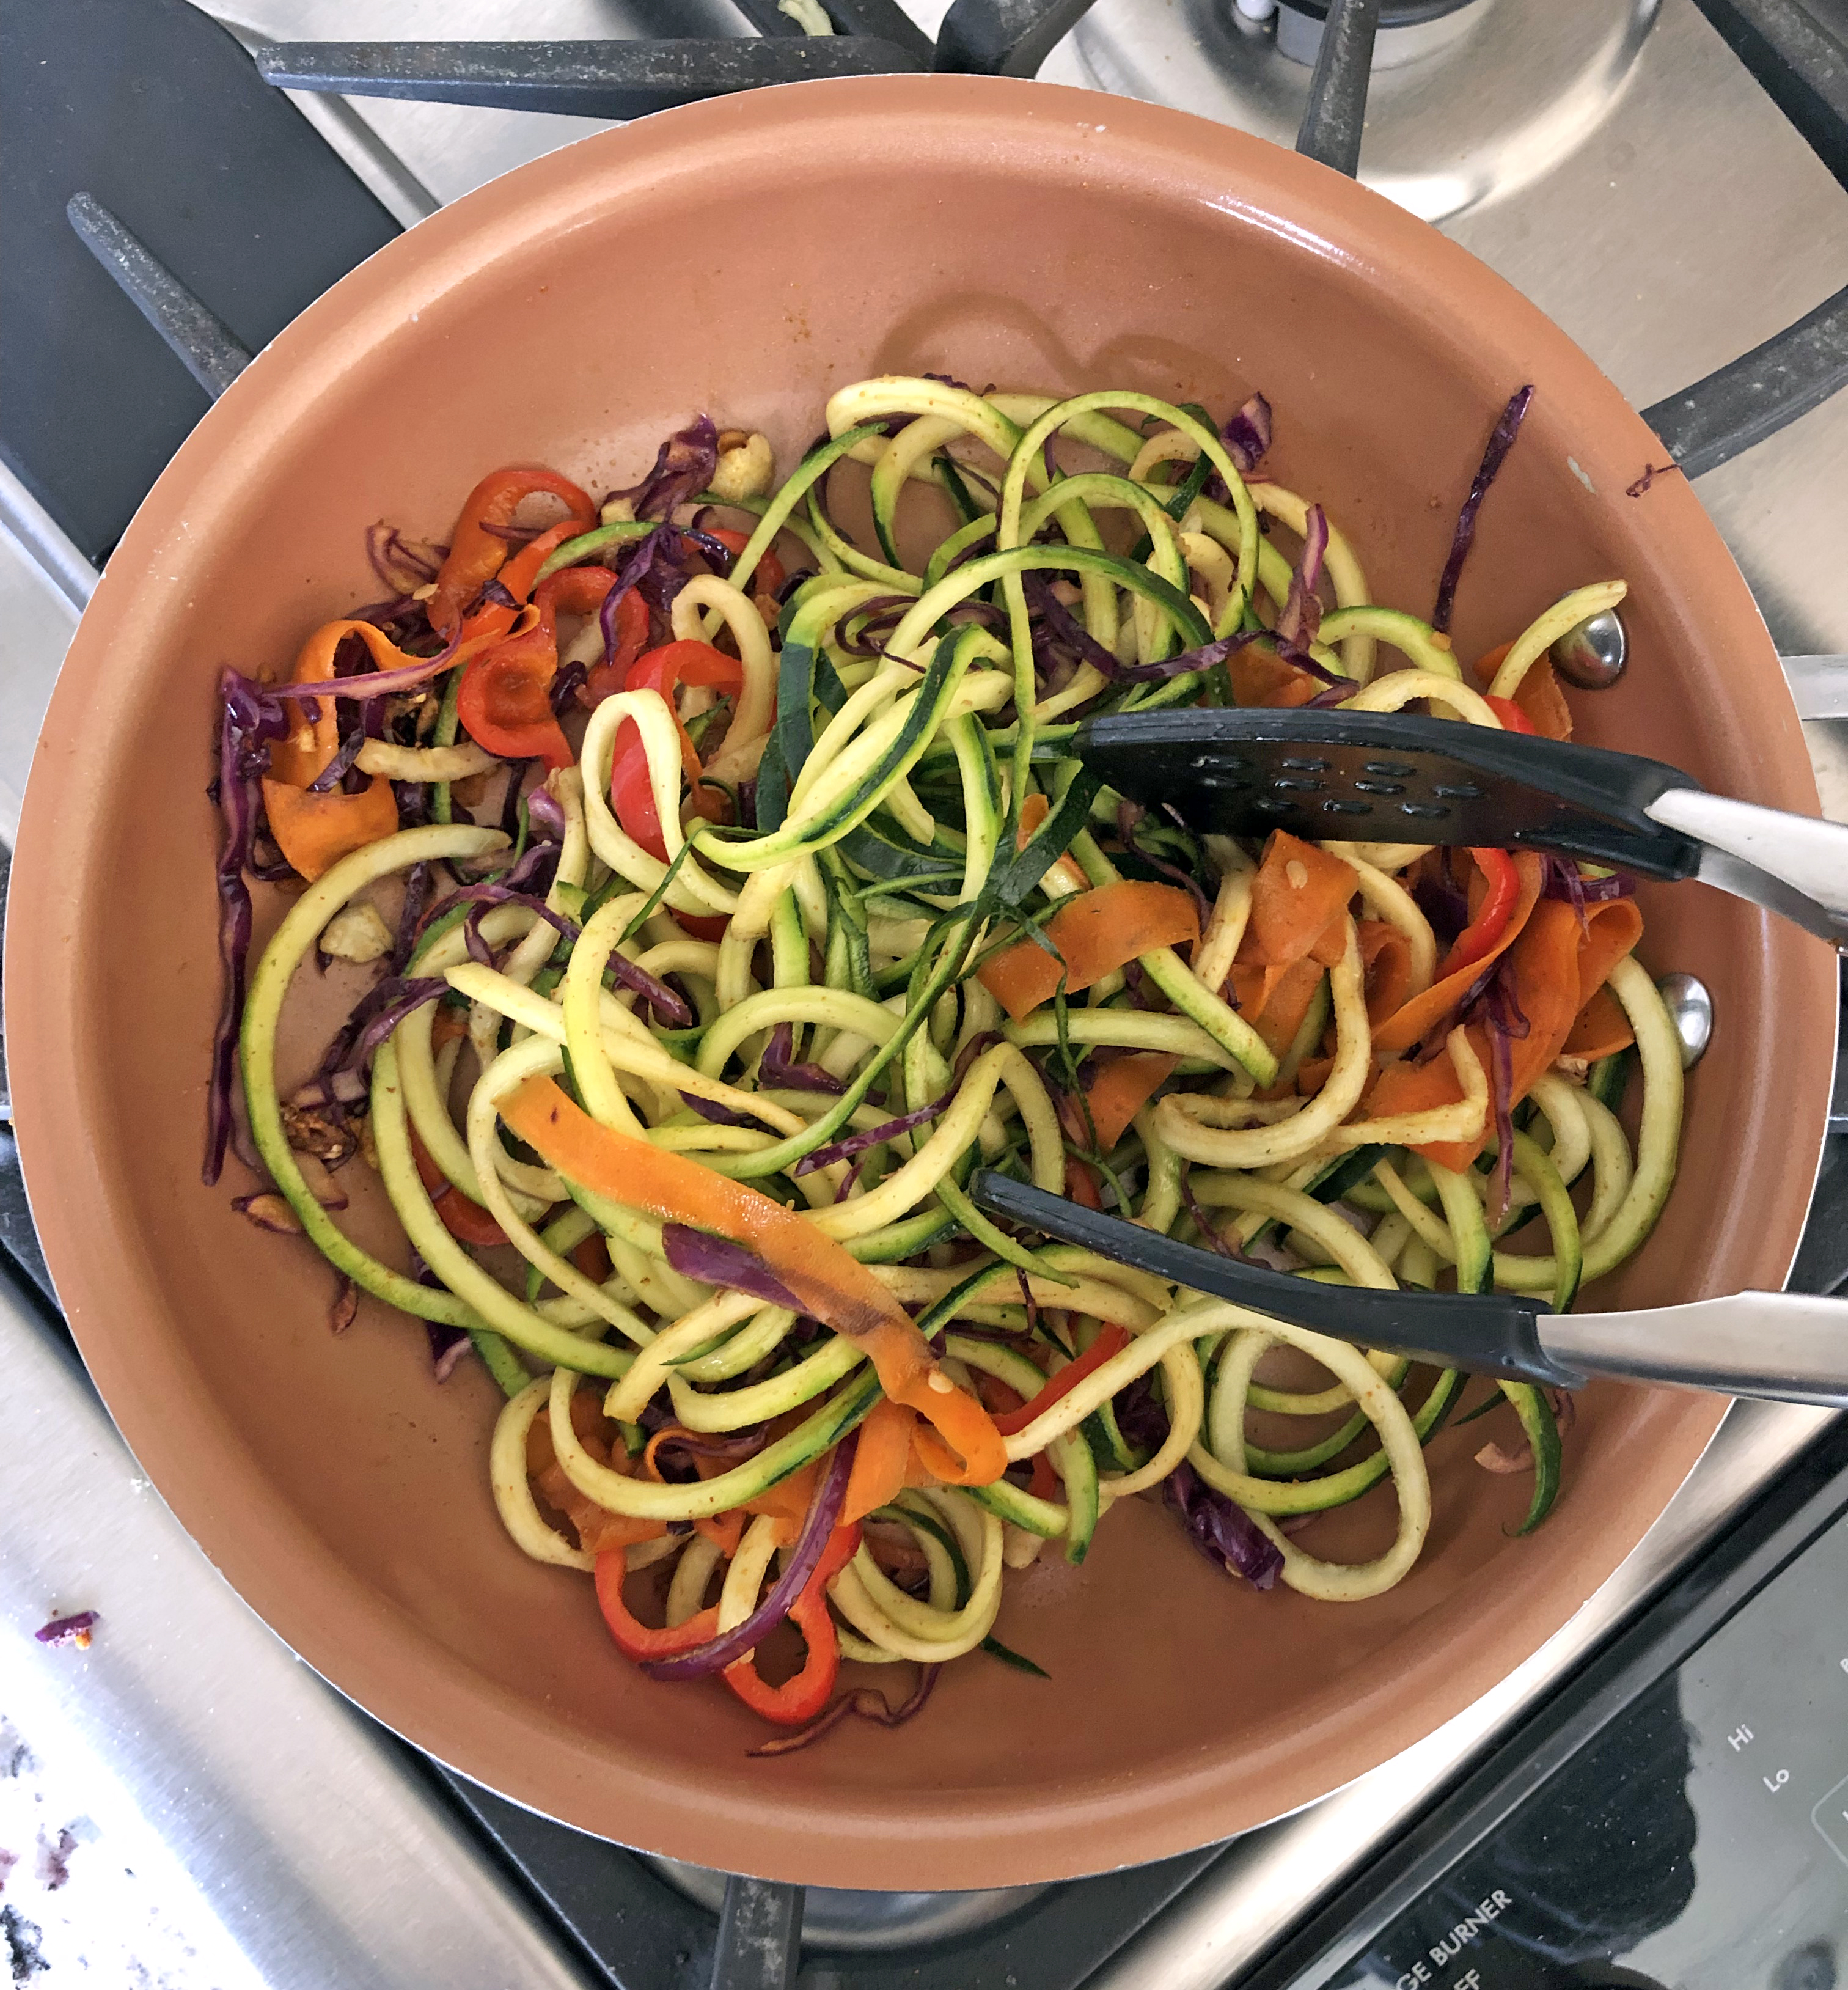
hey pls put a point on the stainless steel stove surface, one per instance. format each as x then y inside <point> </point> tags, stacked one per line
<point>1616,159</point>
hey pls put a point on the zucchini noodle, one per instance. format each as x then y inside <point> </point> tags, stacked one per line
<point>813,901</point>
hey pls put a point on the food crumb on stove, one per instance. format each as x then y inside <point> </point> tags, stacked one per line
<point>76,1629</point>
<point>54,1858</point>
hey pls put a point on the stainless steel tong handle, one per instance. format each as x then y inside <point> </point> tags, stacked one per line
<point>1785,1348</point>
<point>1794,865</point>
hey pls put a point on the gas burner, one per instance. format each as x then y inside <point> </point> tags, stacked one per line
<point>1471,99</point>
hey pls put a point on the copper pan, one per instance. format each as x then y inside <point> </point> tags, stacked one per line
<point>747,256</point>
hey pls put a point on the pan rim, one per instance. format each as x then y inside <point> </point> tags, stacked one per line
<point>287,1573</point>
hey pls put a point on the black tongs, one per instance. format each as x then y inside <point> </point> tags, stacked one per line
<point>1788,1347</point>
<point>1387,777</point>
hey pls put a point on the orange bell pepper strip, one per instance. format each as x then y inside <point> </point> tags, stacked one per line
<point>1112,1340</point>
<point>1121,1088</point>
<point>314,832</point>
<point>805,1695</point>
<point>1261,677</point>
<point>883,1450</point>
<point>599,1529</point>
<point>634,1639</point>
<point>724,1530</point>
<point>827,1283</point>
<point>1274,1000</point>
<point>665,670</point>
<point>1539,704</point>
<point>478,554</point>
<point>1093,934</point>
<point>463,1217</point>
<point>1082,1184</point>
<point>1412,1023</point>
<point>1512,718</point>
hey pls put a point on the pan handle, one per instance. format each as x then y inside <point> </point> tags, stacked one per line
<point>759,1936</point>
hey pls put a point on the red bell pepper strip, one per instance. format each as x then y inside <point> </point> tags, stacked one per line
<point>634,1639</point>
<point>803,1696</point>
<point>505,699</point>
<point>1112,1340</point>
<point>767,576</point>
<point>1512,718</point>
<point>476,553</point>
<point>463,1218</point>
<point>612,674</point>
<point>664,671</point>
<point>1477,940</point>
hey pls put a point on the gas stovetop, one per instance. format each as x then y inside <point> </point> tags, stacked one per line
<point>1662,179</point>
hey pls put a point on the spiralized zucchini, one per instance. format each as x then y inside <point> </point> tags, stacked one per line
<point>830,915</point>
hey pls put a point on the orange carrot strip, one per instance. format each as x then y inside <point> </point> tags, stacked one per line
<point>879,1463</point>
<point>1299,892</point>
<point>827,1281</point>
<point>1122,1089</point>
<point>1601,1029</point>
<point>1093,935</point>
<point>1416,1020</point>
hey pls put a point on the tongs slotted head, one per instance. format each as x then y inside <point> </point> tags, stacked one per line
<point>1392,777</point>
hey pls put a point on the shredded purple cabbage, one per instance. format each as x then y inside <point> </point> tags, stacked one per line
<point>416,896</point>
<point>1302,615</point>
<point>399,565</point>
<point>728,1646</point>
<point>1499,1011</point>
<point>1248,434</point>
<point>711,1110</point>
<point>447,1346</point>
<point>74,1629</point>
<point>1501,440</point>
<point>564,687</point>
<point>717,553</point>
<point>340,1076</point>
<point>1222,1530</point>
<point>1444,903</point>
<point>684,464</point>
<point>1060,640</point>
<point>1562,878</point>
<point>717,1260</point>
<point>249,720</point>
<point>1129,816</point>
<point>776,1073</point>
<point>545,815</point>
<point>874,1136</point>
<point>874,619</point>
